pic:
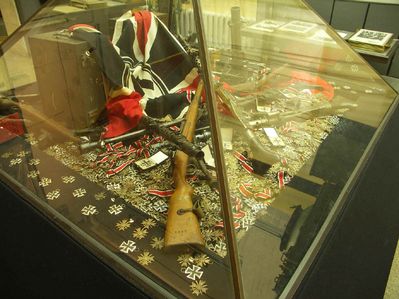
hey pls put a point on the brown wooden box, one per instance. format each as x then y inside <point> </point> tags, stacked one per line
<point>70,83</point>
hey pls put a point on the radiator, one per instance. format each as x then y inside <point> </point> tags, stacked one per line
<point>217,30</point>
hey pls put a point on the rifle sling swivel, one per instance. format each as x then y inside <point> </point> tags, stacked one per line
<point>196,211</point>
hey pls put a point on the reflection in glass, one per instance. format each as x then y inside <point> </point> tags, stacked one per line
<point>297,109</point>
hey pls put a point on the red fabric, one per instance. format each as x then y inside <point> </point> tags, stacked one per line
<point>193,86</point>
<point>124,113</point>
<point>10,127</point>
<point>222,108</point>
<point>328,89</point>
<point>143,19</point>
<point>77,26</point>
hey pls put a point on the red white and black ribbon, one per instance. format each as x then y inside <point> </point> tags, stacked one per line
<point>109,147</point>
<point>220,224</point>
<point>266,194</point>
<point>283,178</point>
<point>192,178</point>
<point>243,162</point>
<point>284,161</point>
<point>117,152</point>
<point>160,193</point>
<point>175,128</point>
<point>289,127</point>
<point>238,213</point>
<point>246,191</point>
<point>118,145</point>
<point>119,168</point>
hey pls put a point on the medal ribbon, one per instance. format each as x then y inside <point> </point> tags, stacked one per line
<point>266,194</point>
<point>238,213</point>
<point>175,128</point>
<point>283,179</point>
<point>247,192</point>
<point>243,162</point>
<point>114,152</point>
<point>118,169</point>
<point>289,127</point>
<point>160,193</point>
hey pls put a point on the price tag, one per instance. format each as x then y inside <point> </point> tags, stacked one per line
<point>227,137</point>
<point>209,160</point>
<point>152,161</point>
<point>275,140</point>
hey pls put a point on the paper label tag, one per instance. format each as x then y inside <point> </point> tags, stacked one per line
<point>275,140</point>
<point>209,160</point>
<point>152,161</point>
<point>227,137</point>
<point>159,157</point>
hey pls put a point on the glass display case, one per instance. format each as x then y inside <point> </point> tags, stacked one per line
<point>198,148</point>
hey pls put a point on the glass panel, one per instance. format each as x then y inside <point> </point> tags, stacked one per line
<point>75,139</point>
<point>297,110</point>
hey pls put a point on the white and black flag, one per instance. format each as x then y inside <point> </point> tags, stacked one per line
<point>145,57</point>
<point>158,63</point>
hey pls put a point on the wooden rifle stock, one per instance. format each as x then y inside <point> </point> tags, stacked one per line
<point>182,224</point>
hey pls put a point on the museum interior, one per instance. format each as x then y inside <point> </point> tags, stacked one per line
<point>199,148</point>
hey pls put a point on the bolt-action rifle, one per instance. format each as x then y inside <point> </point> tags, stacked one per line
<point>151,125</point>
<point>182,225</point>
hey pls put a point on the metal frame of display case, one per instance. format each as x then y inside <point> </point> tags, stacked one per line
<point>151,286</point>
<point>218,152</point>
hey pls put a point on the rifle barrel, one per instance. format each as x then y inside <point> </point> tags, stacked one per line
<point>90,145</point>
